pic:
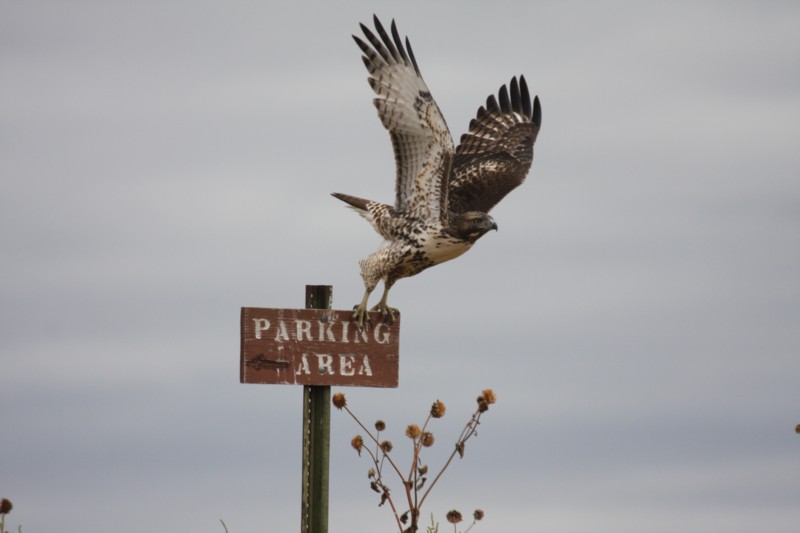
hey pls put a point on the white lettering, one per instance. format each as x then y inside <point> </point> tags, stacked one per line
<point>346,365</point>
<point>322,331</point>
<point>260,324</point>
<point>326,331</point>
<point>325,363</point>
<point>378,338</point>
<point>365,369</point>
<point>303,328</point>
<point>303,368</point>
<point>281,334</point>
<point>363,334</point>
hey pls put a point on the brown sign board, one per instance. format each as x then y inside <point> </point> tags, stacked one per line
<point>317,347</point>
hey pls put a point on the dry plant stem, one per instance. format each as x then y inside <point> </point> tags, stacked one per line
<point>378,466</point>
<point>413,475</point>
<point>396,516</point>
<point>417,447</point>
<point>369,434</point>
<point>469,431</point>
<point>379,480</point>
<point>412,481</point>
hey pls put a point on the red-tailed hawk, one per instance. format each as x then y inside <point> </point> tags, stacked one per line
<point>443,193</point>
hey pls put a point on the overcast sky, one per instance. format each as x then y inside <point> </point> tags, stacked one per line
<point>163,164</point>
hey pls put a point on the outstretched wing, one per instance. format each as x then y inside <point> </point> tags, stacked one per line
<point>495,155</point>
<point>423,147</point>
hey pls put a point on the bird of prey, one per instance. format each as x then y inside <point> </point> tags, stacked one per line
<point>443,193</point>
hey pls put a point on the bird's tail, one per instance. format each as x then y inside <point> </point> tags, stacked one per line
<point>359,204</point>
<point>377,214</point>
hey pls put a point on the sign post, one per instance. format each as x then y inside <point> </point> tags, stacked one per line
<point>316,437</point>
<point>317,347</point>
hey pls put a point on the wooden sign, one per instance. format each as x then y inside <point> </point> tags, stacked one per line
<point>317,347</point>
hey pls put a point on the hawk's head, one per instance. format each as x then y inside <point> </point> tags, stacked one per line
<point>472,225</point>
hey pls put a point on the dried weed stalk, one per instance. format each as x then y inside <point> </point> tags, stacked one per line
<point>414,479</point>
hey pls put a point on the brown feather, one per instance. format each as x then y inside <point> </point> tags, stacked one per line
<point>494,157</point>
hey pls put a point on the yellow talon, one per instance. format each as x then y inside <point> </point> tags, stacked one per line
<point>387,312</point>
<point>361,317</point>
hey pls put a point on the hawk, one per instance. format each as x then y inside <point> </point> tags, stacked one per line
<point>443,193</point>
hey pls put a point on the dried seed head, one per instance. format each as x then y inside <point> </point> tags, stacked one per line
<point>380,425</point>
<point>797,429</point>
<point>371,473</point>
<point>423,470</point>
<point>386,446</point>
<point>437,409</point>
<point>478,515</point>
<point>454,517</point>
<point>489,396</point>
<point>427,439</point>
<point>339,400</point>
<point>357,443</point>
<point>413,431</point>
<point>5,506</point>
<point>483,406</point>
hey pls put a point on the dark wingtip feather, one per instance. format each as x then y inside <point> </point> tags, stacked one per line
<point>491,104</point>
<point>505,103</point>
<point>526,97</point>
<point>378,25</point>
<point>368,34</point>
<point>537,112</point>
<point>413,59</point>
<point>361,44</point>
<point>389,47</point>
<point>516,102</point>
<point>386,40</point>
<point>377,22</point>
<point>376,43</point>
<point>398,42</point>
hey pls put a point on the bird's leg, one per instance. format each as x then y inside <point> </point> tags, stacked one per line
<point>360,315</point>
<point>387,312</point>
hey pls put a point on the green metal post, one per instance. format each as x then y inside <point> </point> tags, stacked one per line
<point>316,436</point>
